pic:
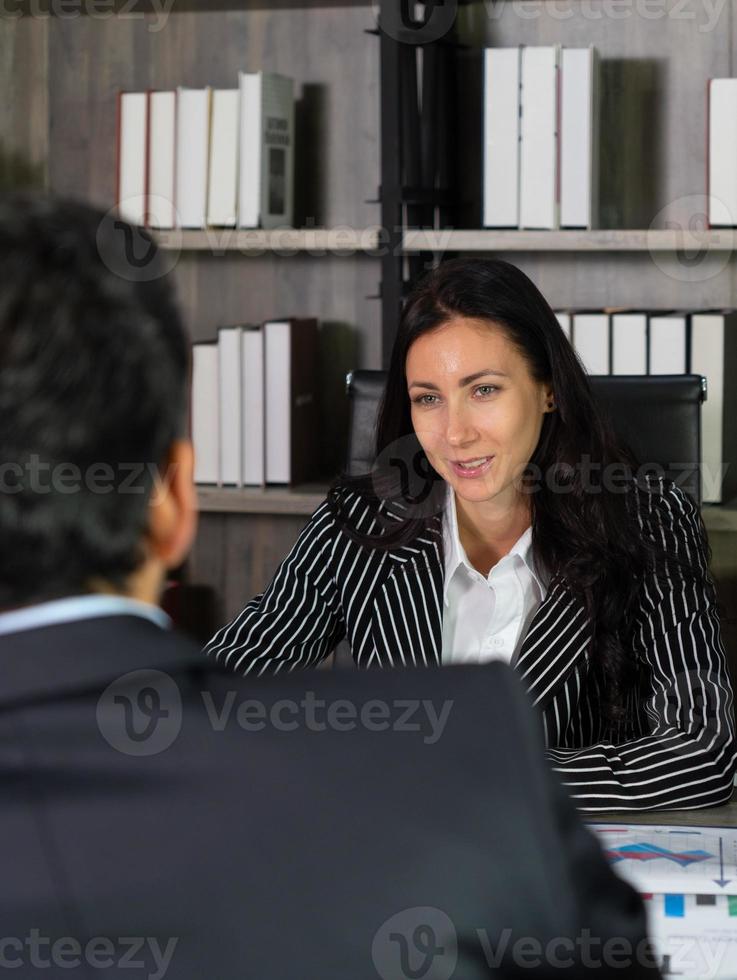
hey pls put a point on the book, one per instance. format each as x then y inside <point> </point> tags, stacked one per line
<point>222,198</point>
<point>722,152</point>
<point>714,356</point>
<point>591,341</point>
<point>290,390</point>
<point>192,152</point>
<point>579,138</point>
<point>668,343</point>
<point>252,351</point>
<point>132,188</point>
<point>162,125</point>
<point>266,168</point>
<point>205,410</point>
<point>230,407</point>
<point>564,319</point>
<point>629,343</point>
<point>502,75</point>
<point>539,200</point>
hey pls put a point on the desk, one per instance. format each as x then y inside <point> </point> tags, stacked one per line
<point>715,816</point>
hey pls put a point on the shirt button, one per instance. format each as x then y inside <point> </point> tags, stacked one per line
<point>498,642</point>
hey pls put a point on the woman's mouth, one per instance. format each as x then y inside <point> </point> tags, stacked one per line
<point>470,468</point>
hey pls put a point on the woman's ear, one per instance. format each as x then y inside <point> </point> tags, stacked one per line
<point>173,507</point>
<point>548,399</point>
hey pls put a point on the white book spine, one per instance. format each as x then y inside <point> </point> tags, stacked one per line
<point>277,152</point>
<point>249,177</point>
<point>539,148</point>
<point>231,409</point>
<point>591,341</point>
<point>667,345</point>
<point>205,425</point>
<point>277,358</point>
<point>132,149</point>
<point>707,359</point>
<point>578,137</point>
<point>253,407</point>
<point>629,343</point>
<point>722,151</point>
<point>222,201</point>
<point>502,68</point>
<point>193,140</point>
<point>161,160</point>
<point>564,319</point>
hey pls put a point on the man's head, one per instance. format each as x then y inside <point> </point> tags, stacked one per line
<point>95,469</point>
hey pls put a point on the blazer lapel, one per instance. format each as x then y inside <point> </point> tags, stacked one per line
<point>406,622</point>
<point>557,638</point>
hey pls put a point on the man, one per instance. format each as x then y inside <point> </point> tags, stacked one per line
<point>158,817</point>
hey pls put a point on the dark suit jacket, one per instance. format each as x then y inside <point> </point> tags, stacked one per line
<point>674,748</point>
<point>296,844</point>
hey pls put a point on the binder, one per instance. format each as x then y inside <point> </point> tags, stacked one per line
<point>579,138</point>
<point>162,115</point>
<point>132,188</point>
<point>205,411</point>
<point>502,76</point>
<point>539,201</point>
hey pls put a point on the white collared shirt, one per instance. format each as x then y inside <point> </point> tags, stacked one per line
<point>486,617</point>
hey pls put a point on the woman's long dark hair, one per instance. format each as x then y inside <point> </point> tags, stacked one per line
<point>581,530</point>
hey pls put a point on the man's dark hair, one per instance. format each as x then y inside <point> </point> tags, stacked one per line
<point>93,391</point>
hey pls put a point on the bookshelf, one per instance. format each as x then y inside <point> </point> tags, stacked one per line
<point>571,240</point>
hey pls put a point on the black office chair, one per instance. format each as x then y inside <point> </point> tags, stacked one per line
<point>658,416</point>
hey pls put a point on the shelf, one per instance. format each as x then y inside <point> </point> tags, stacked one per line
<point>282,241</point>
<point>371,241</point>
<point>297,500</point>
<point>603,240</point>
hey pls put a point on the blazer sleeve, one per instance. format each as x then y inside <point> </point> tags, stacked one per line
<point>297,620</point>
<point>687,760</point>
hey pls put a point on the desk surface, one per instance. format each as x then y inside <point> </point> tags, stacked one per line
<point>715,816</point>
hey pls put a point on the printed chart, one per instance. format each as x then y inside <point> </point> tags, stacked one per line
<point>685,860</point>
<point>687,877</point>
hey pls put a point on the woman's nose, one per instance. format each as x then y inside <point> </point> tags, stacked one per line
<point>460,429</point>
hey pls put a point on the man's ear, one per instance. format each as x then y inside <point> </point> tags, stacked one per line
<point>172,522</point>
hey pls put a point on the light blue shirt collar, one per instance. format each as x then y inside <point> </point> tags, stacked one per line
<point>74,608</point>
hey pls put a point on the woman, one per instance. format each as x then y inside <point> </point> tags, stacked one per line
<point>503,519</point>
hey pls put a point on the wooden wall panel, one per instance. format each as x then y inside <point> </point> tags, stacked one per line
<point>24,148</point>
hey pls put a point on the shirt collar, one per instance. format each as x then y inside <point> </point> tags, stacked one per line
<point>74,608</point>
<point>455,553</point>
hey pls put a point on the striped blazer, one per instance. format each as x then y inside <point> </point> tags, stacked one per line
<point>675,747</point>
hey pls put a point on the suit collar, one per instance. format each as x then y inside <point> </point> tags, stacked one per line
<point>52,661</point>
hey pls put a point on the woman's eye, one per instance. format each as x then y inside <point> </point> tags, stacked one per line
<point>421,400</point>
<point>486,389</point>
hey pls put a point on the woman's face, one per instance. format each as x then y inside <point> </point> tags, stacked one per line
<point>475,402</point>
